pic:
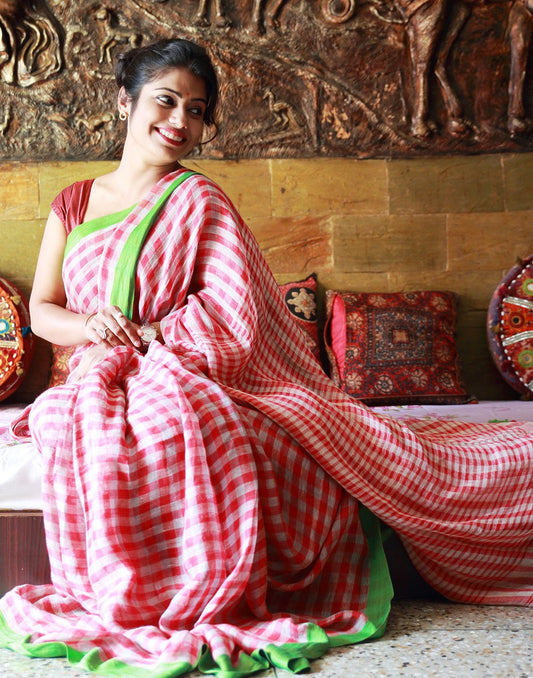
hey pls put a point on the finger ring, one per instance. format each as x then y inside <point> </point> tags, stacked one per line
<point>103,333</point>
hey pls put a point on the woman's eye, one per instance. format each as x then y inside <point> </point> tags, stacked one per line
<point>197,111</point>
<point>165,100</point>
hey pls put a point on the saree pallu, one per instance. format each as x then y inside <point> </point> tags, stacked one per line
<point>202,501</point>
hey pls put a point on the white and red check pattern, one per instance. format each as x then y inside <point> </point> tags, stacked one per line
<point>184,501</point>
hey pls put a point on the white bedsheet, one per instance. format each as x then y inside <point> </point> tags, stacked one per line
<point>21,465</point>
<point>476,413</point>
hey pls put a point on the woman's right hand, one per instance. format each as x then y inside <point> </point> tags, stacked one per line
<point>109,327</point>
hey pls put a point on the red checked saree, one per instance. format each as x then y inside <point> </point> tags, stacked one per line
<point>207,503</point>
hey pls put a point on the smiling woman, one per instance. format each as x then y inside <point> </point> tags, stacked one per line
<point>167,119</point>
<point>210,498</point>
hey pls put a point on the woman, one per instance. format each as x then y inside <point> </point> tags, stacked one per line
<point>202,476</point>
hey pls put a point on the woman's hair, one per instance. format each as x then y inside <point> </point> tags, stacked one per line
<point>144,64</point>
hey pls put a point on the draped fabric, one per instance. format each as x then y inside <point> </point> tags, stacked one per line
<point>206,504</point>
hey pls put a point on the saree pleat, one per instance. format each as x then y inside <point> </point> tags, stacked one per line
<point>206,504</point>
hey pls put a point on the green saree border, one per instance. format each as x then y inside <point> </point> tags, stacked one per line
<point>88,661</point>
<point>123,289</point>
<point>93,226</point>
<point>291,657</point>
<point>380,589</point>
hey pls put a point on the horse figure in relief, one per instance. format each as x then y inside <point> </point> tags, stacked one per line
<point>203,10</point>
<point>519,30</point>
<point>264,13</point>
<point>429,44</point>
<point>431,27</point>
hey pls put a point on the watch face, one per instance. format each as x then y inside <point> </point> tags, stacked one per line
<point>149,333</point>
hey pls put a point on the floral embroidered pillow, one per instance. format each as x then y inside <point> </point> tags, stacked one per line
<point>301,300</point>
<point>394,348</point>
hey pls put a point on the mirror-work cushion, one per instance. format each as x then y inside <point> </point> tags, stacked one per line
<point>394,348</point>
<point>16,339</point>
<point>510,327</point>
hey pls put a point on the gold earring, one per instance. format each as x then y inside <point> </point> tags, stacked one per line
<point>123,115</point>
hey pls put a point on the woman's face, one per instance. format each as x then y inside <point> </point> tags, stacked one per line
<point>168,119</point>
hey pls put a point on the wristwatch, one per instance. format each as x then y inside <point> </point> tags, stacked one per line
<point>148,334</point>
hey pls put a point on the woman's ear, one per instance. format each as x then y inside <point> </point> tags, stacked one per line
<point>124,104</point>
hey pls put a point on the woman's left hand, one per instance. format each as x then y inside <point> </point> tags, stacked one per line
<point>110,327</point>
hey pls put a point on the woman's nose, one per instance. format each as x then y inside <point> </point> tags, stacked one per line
<point>178,117</point>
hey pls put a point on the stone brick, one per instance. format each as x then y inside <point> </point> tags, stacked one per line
<point>354,281</point>
<point>19,191</point>
<point>299,245</point>
<point>480,242</point>
<point>389,244</point>
<point>518,181</point>
<point>446,185</point>
<point>329,186</point>
<point>455,223</point>
<point>53,177</point>
<point>20,248</point>
<point>247,183</point>
<point>475,289</point>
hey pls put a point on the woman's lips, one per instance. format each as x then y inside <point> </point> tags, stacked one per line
<point>172,136</point>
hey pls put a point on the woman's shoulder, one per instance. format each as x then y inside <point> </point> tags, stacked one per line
<point>71,203</point>
<point>203,188</point>
<point>74,191</point>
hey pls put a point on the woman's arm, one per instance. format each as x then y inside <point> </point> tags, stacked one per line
<point>51,319</point>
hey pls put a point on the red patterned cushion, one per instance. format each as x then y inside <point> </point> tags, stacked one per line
<point>394,348</point>
<point>510,327</point>
<point>59,371</point>
<point>301,300</point>
<point>16,339</point>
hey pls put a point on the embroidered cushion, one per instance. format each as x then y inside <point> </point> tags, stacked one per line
<point>59,370</point>
<point>394,348</point>
<point>301,300</point>
<point>510,327</point>
<point>16,339</point>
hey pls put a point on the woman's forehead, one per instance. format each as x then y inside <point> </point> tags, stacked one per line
<point>177,77</point>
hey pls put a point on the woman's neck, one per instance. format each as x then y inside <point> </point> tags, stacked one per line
<point>123,188</point>
<point>135,178</point>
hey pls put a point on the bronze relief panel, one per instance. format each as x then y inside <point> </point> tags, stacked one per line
<point>360,78</point>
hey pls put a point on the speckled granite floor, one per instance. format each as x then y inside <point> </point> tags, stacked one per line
<point>424,639</point>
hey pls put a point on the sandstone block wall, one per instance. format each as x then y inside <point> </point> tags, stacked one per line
<point>455,223</point>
